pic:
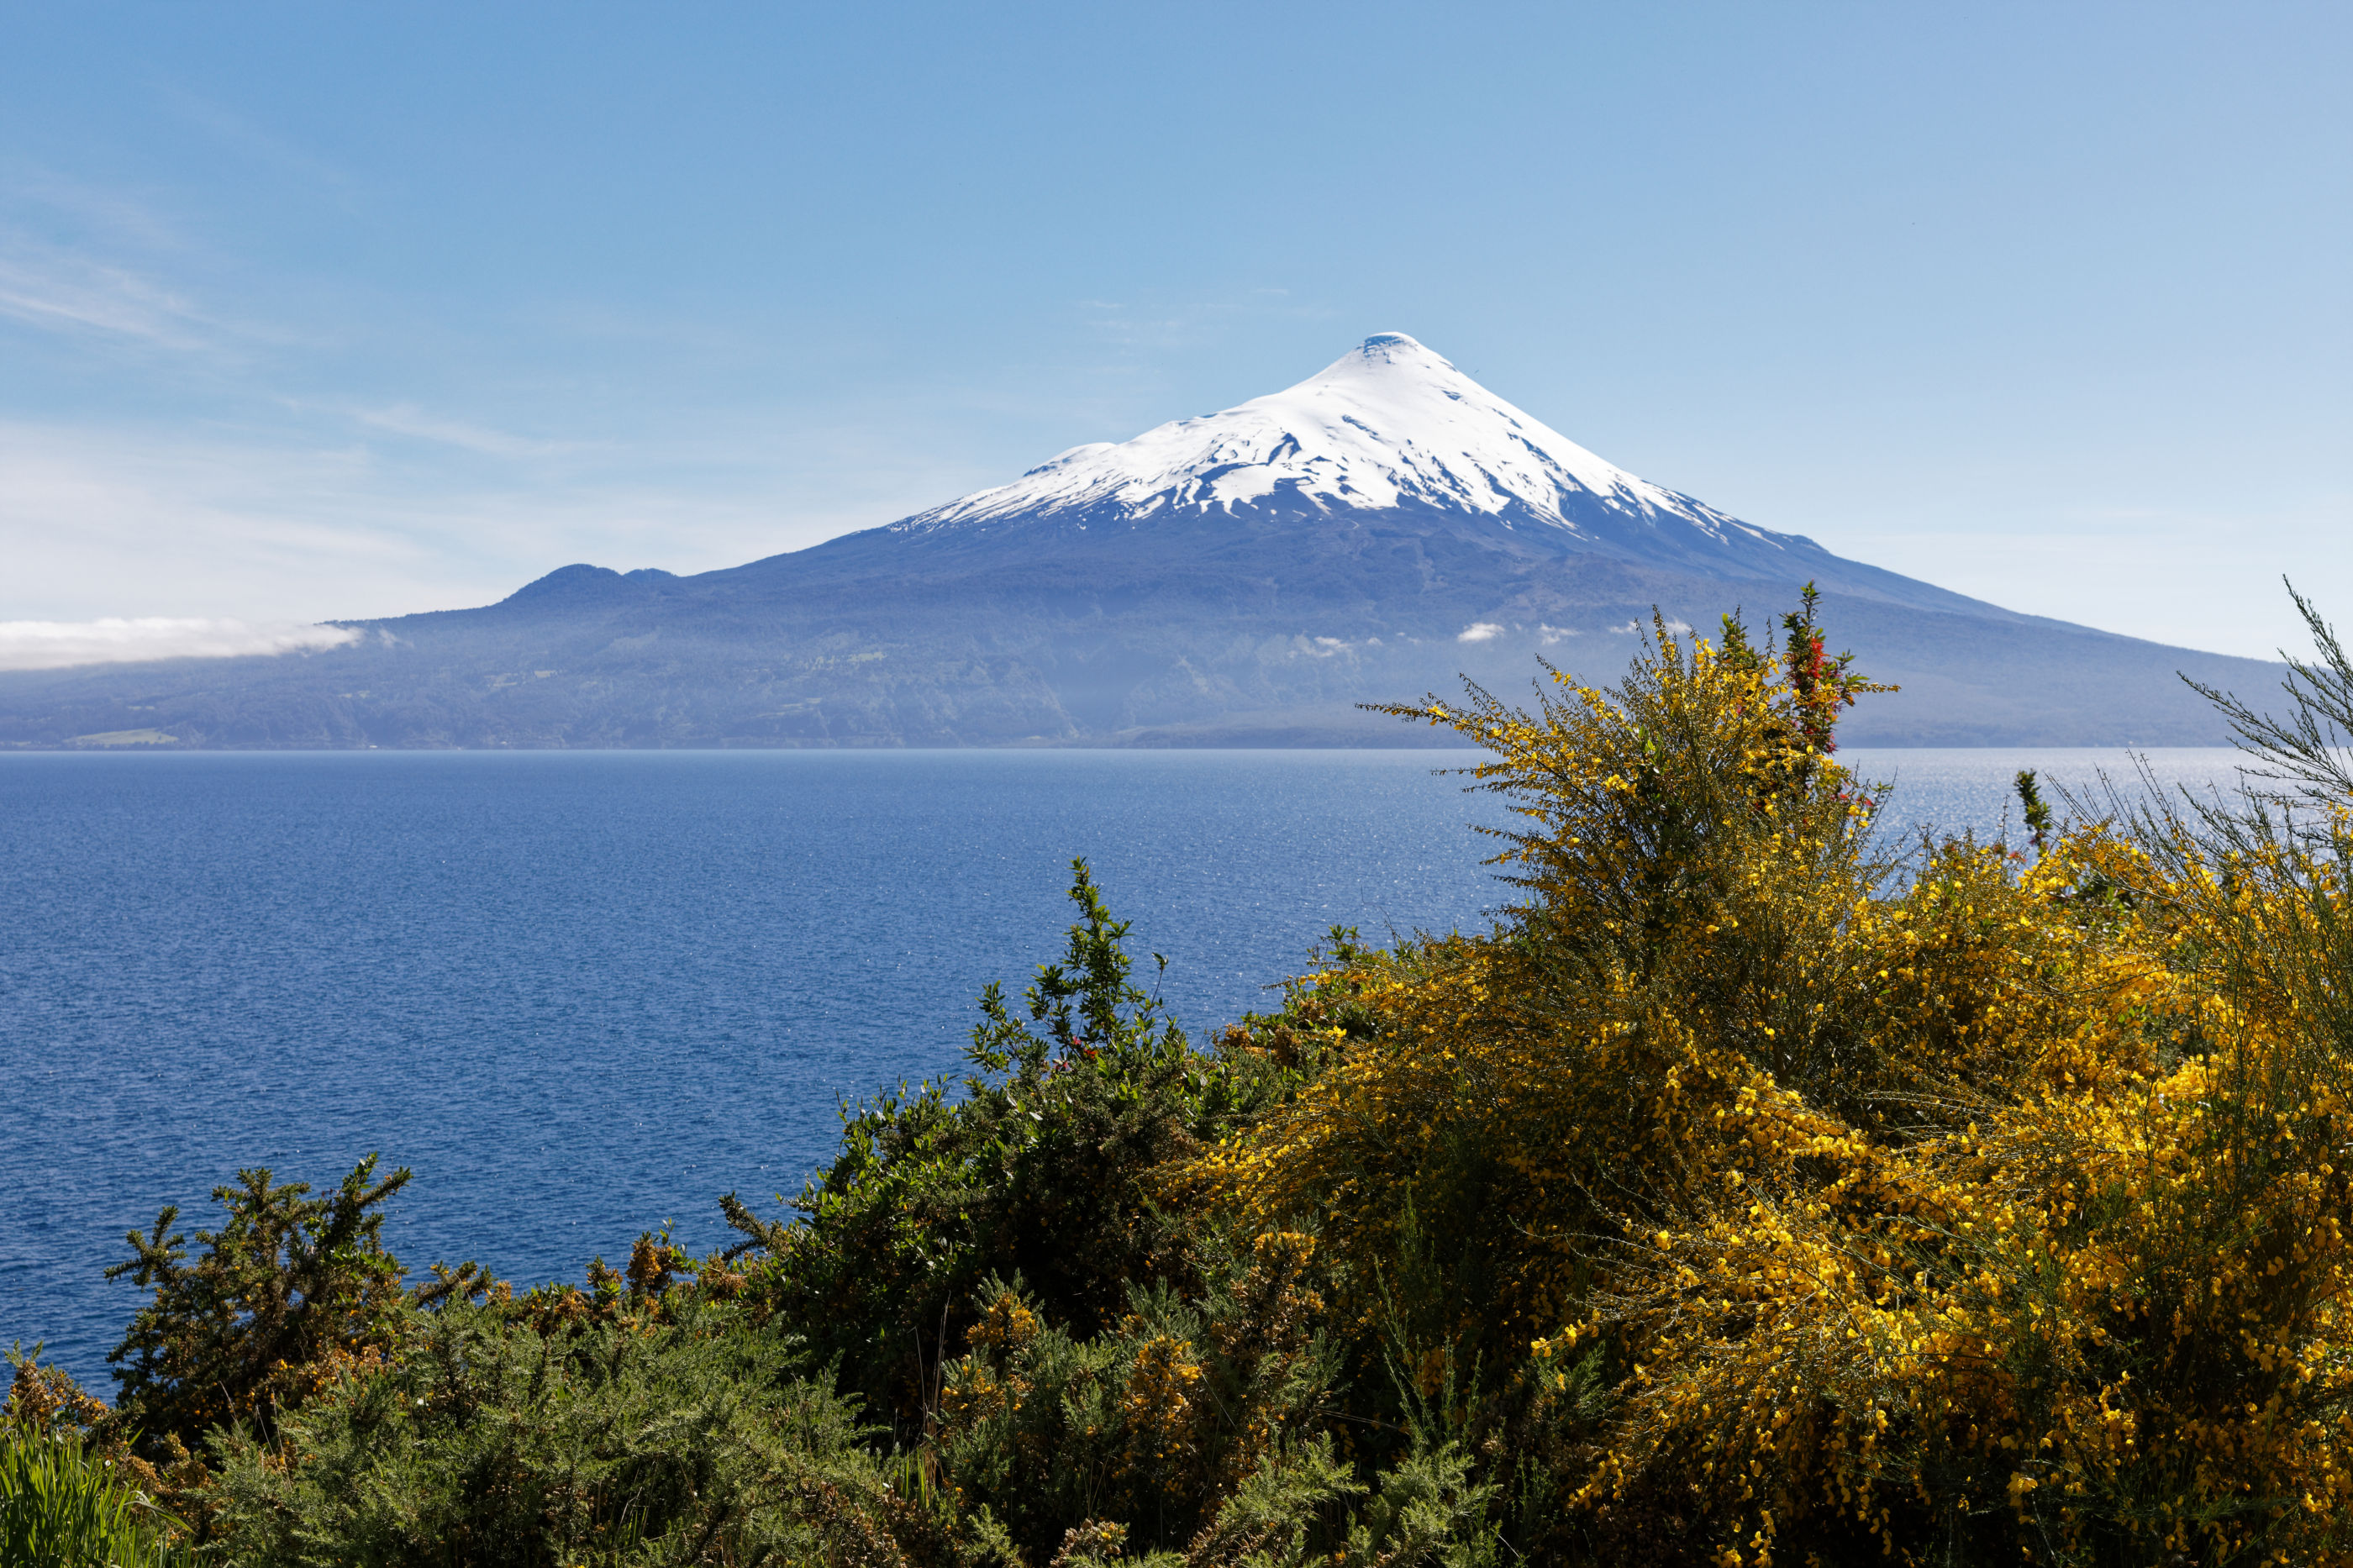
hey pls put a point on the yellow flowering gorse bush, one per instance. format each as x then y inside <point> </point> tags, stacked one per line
<point>1830,1204</point>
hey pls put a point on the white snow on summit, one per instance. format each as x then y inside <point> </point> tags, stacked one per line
<point>1389,424</point>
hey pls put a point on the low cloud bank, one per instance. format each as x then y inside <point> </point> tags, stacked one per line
<point>57,645</point>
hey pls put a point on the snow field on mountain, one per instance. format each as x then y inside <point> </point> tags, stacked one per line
<point>1388,425</point>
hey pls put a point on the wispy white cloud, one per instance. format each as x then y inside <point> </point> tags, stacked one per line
<point>301,525</point>
<point>62,290</point>
<point>58,644</point>
<point>145,522</point>
<point>101,210</point>
<point>1480,631</point>
<point>88,260</point>
<point>407,419</point>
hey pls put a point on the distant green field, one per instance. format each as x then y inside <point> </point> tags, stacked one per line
<point>124,738</point>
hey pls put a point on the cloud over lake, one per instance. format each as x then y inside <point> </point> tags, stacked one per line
<point>54,645</point>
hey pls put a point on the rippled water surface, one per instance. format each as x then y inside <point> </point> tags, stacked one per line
<point>583,993</point>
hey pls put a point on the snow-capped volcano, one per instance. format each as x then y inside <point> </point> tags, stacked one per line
<point>1385,528</point>
<point>1391,424</point>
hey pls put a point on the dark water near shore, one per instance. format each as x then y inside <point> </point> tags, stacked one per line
<point>584,993</point>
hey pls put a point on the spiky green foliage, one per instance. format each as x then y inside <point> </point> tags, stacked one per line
<point>485,1441</point>
<point>290,1290</point>
<point>1155,1419</point>
<point>2301,752</point>
<point>1038,1162</point>
<point>2034,809</point>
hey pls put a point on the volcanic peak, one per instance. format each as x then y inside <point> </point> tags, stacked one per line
<point>1389,424</point>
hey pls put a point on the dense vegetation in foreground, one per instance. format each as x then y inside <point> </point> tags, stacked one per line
<point>1747,1195</point>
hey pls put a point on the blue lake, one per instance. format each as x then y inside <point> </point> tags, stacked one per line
<point>584,993</point>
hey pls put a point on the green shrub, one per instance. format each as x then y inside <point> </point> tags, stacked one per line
<point>485,1441</point>
<point>288,1294</point>
<point>1154,1420</point>
<point>1040,1161</point>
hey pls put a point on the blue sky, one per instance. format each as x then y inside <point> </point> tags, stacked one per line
<point>338,310</point>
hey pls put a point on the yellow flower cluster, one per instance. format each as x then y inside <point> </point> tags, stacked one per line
<point>1006,1325</point>
<point>1846,1201</point>
<point>1158,1399</point>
